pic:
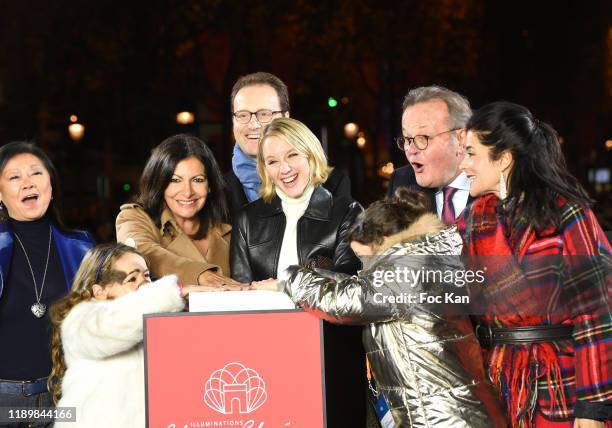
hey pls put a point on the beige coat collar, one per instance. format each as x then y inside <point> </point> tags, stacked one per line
<point>168,220</point>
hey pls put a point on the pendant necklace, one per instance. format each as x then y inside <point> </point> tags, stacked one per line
<point>37,308</point>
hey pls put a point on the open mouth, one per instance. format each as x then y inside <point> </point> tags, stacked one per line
<point>290,180</point>
<point>253,137</point>
<point>186,203</point>
<point>30,198</point>
<point>418,167</point>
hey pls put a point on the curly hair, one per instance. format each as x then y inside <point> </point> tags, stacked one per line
<point>96,268</point>
<point>389,216</point>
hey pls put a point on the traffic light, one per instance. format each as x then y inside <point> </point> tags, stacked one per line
<point>332,102</point>
<point>126,187</point>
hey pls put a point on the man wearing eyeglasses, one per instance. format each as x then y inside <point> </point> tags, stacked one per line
<point>433,140</point>
<point>257,99</point>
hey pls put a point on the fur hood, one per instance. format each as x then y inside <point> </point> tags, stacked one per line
<point>428,225</point>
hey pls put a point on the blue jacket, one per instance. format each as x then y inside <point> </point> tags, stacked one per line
<point>71,248</point>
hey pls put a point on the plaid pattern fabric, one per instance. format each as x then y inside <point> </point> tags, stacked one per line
<point>542,282</point>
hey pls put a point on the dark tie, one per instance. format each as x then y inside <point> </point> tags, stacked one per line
<point>448,209</point>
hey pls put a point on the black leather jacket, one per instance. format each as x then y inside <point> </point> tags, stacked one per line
<point>257,236</point>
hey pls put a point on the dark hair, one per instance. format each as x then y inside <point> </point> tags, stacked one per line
<point>539,174</point>
<point>158,172</point>
<point>389,216</point>
<point>263,78</point>
<point>9,151</point>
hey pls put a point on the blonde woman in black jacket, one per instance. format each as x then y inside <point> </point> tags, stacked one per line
<point>297,221</point>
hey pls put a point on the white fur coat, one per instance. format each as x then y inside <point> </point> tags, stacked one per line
<point>103,349</point>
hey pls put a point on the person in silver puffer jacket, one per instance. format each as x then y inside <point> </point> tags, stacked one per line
<point>426,363</point>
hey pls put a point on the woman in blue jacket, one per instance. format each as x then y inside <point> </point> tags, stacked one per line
<point>39,257</point>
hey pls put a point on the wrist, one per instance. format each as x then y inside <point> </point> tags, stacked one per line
<point>203,277</point>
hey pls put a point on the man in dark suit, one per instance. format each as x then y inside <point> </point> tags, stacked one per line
<point>433,139</point>
<point>257,99</point>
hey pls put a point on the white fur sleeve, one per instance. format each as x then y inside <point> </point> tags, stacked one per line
<point>99,329</point>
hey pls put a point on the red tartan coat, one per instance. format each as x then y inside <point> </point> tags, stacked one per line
<point>550,276</point>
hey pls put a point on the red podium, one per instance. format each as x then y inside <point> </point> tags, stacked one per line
<point>244,369</point>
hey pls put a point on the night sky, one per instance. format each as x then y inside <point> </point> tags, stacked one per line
<point>127,68</point>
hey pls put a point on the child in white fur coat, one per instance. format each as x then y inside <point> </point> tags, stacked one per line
<point>97,350</point>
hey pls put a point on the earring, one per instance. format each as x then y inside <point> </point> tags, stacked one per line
<point>502,186</point>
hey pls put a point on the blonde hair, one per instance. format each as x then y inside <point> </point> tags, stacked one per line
<point>298,136</point>
<point>96,268</point>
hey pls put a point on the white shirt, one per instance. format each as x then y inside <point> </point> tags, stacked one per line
<point>460,198</point>
<point>294,209</point>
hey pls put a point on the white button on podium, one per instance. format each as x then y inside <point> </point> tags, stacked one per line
<point>229,301</point>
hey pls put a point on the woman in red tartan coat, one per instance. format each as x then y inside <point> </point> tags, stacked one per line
<point>546,320</point>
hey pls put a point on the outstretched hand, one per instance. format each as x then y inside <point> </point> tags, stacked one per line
<point>186,289</point>
<point>269,284</point>
<point>218,282</point>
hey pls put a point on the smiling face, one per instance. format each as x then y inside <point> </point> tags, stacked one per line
<point>438,164</point>
<point>482,171</point>
<point>286,167</point>
<point>252,99</point>
<point>25,187</point>
<point>136,274</point>
<point>186,193</point>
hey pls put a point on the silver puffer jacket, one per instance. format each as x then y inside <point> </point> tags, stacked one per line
<point>427,365</point>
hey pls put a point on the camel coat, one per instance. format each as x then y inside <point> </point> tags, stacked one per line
<point>169,249</point>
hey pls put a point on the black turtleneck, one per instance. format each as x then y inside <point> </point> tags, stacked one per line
<point>25,338</point>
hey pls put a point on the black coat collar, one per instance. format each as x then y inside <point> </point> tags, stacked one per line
<point>319,207</point>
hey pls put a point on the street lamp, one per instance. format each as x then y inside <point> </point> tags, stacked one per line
<point>185,118</point>
<point>75,129</point>
<point>361,139</point>
<point>386,170</point>
<point>350,130</point>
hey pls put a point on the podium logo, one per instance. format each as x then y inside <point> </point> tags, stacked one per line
<point>235,389</point>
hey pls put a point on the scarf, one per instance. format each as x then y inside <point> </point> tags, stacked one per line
<point>245,169</point>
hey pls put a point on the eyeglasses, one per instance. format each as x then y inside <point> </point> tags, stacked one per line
<point>420,141</point>
<point>262,116</point>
